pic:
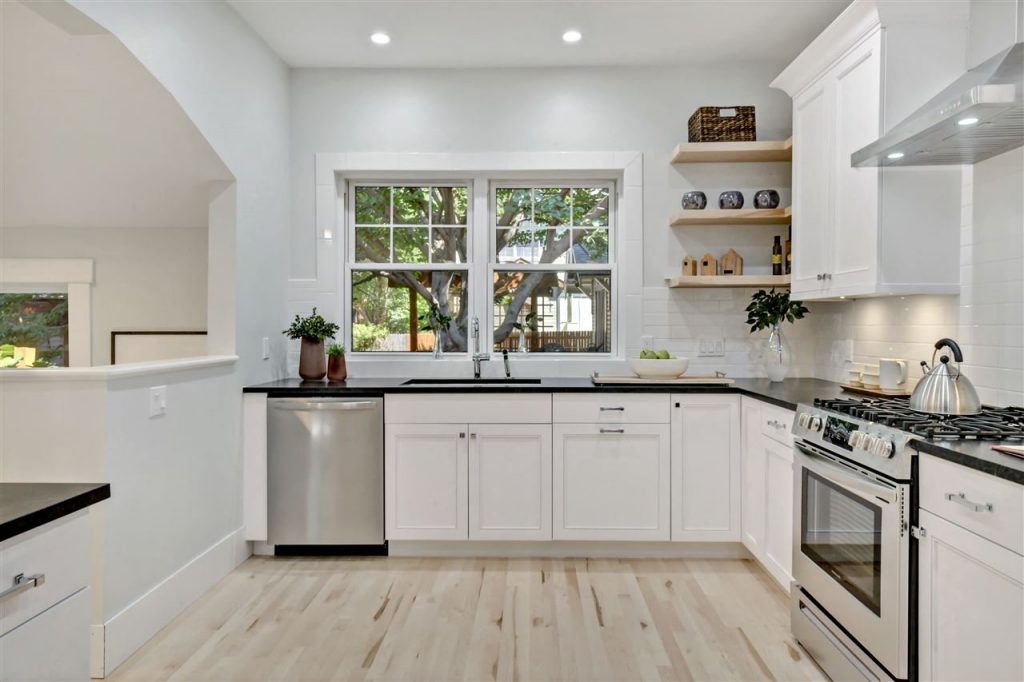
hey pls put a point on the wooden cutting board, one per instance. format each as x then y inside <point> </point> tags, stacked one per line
<point>876,392</point>
<point>681,381</point>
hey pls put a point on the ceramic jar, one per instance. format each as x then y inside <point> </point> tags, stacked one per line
<point>730,199</point>
<point>766,198</point>
<point>312,360</point>
<point>336,368</point>
<point>694,200</point>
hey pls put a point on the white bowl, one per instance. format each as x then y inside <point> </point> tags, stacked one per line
<point>673,368</point>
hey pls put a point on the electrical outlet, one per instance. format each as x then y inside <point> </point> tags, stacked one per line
<point>266,348</point>
<point>711,348</point>
<point>157,401</point>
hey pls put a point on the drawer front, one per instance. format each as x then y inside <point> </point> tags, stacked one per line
<point>777,424</point>
<point>1002,523</point>
<point>461,408</point>
<point>52,647</point>
<point>611,408</point>
<point>59,551</point>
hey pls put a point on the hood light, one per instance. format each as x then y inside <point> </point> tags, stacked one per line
<point>895,155</point>
<point>380,38</point>
<point>572,36</point>
<point>969,121</point>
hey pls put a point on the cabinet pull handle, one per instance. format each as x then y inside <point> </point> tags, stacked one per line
<point>22,583</point>
<point>472,435</point>
<point>961,499</point>
<point>820,276</point>
<point>613,430</point>
<point>613,409</point>
<point>462,435</point>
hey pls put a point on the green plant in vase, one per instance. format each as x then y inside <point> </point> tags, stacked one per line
<point>438,322</point>
<point>336,369</point>
<point>768,310</point>
<point>529,322</point>
<point>313,330</point>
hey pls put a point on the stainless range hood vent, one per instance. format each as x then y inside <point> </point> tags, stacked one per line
<point>979,116</point>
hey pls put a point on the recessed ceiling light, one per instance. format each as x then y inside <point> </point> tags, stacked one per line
<point>572,36</point>
<point>969,121</point>
<point>895,155</point>
<point>380,38</point>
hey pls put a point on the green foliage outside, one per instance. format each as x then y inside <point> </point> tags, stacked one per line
<point>37,321</point>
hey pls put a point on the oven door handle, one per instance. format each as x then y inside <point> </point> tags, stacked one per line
<point>844,477</point>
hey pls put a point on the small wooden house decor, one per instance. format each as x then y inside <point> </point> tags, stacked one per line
<point>708,265</point>
<point>689,267</point>
<point>732,263</point>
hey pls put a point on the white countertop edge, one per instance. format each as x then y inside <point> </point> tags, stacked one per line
<point>115,372</point>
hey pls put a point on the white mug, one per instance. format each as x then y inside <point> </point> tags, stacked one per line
<point>892,373</point>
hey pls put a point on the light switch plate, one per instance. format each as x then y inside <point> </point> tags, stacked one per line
<point>711,348</point>
<point>157,401</point>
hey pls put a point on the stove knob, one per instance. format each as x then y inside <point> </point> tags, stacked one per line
<point>804,419</point>
<point>867,443</point>
<point>816,424</point>
<point>884,448</point>
<point>854,440</point>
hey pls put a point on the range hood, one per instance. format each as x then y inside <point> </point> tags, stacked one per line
<point>979,116</point>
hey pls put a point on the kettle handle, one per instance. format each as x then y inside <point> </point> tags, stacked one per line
<point>953,346</point>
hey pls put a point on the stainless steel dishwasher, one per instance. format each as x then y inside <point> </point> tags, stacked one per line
<point>325,474</point>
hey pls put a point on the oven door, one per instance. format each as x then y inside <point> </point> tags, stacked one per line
<point>851,551</point>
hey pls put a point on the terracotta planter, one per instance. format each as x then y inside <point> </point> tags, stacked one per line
<point>312,360</point>
<point>336,370</point>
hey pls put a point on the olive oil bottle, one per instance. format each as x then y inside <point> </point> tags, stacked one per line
<point>789,251</point>
<point>777,256</point>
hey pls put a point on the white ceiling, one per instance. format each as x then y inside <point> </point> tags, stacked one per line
<point>511,33</point>
<point>90,137</point>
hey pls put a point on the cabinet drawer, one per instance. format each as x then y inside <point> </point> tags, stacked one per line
<point>616,408</point>
<point>777,424</point>
<point>1002,523</point>
<point>52,647</point>
<point>58,550</point>
<point>460,408</point>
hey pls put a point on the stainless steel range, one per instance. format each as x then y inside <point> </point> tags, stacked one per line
<point>854,564</point>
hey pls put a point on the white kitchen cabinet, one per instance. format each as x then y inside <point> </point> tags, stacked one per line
<point>778,536</point>
<point>706,467</point>
<point>767,487</point>
<point>509,482</point>
<point>971,605</point>
<point>426,478</point>
<point>611,481</point>
<point>867,231</point>
<point>753,469</point>
<point>52,647</point>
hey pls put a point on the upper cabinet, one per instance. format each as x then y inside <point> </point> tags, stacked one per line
<point>869,231</point>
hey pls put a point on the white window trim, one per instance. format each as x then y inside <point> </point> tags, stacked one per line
<point>45,275</point>
<point>335,170</point>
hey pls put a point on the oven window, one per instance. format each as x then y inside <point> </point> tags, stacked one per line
<point>842,533</point>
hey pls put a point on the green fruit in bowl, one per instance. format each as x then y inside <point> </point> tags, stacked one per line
<point>663,355</point>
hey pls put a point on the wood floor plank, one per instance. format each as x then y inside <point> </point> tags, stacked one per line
<point>542,620</point>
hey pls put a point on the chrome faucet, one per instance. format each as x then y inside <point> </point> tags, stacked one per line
<point>504,356</point>
<point>478,357</point>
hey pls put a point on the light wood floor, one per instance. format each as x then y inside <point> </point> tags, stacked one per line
<point>481,619</point>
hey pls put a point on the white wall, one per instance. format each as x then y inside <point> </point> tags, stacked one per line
<point>488,110</point>
<point>145,279</point>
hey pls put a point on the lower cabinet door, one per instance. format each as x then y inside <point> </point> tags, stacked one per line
<point>611,481</point>
<point>778,496</point>
<point>971,605</point>
<point>510,481</point>
<point>753,469</point>
<point>52,647</point>
<point>706,467</point>
<point>426,480</point>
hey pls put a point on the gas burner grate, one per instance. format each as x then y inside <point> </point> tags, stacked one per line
<point>993,423</point>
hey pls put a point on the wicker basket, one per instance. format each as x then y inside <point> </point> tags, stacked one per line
<point>723,124</point>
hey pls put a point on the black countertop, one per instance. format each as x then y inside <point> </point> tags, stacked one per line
<point>25,506</point>
<point>787,394</point>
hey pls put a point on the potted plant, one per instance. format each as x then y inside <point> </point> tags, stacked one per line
<point>312,330</point>
<point>769,309</point>
<point>336,370</point>
<point>437,322</point>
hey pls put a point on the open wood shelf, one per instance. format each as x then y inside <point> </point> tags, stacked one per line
<point>733,216</point>
<point>733,152</point>
<point>727,281</point>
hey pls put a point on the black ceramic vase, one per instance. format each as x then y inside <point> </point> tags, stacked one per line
<point>694,200</point>
<point>730,199</point>
<point>766,198</point>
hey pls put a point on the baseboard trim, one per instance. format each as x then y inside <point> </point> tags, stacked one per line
<point>134,625</point>
<point>565,549</point>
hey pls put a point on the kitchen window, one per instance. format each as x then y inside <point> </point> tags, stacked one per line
<point>552,267</point>
<point>540,280</point>
<point>34,329</point>
<point>409,257</point>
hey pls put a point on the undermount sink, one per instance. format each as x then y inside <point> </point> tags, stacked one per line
<point>468,382</point>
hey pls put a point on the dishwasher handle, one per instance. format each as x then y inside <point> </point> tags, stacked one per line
<point>321,404</point>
